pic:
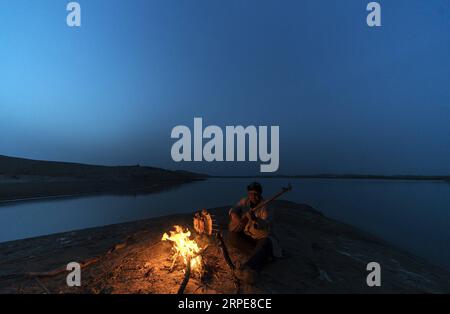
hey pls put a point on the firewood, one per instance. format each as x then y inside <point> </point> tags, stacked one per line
<point>187,276</point>
<point>61,270</point>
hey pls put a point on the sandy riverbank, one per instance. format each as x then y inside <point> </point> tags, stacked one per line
<point>324,256</point>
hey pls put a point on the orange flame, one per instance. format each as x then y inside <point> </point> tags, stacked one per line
<point>185,247</point>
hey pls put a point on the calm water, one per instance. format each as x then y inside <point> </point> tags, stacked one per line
<point>413,215</point>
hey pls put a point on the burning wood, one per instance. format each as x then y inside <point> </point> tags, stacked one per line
<point>186,249</point>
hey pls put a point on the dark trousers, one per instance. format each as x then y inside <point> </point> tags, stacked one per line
<point>261,249</point>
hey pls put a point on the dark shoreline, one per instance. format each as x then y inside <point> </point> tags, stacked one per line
<point>11,193</point>
<point>25,179</point>
<point>343,177</point>
<point>22,192</point>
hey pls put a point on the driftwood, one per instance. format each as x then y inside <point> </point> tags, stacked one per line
<point>61,270</point>
<point>188,270</point>
<point>226,254</point>
<point>187,276</point>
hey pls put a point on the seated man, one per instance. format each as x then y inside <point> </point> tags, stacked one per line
<point>251,229</point>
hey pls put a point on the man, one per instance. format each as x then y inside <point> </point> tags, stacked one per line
<point>251,229</point>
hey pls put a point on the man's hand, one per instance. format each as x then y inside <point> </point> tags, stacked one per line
<point>252,215</point>
<point>252,219</point>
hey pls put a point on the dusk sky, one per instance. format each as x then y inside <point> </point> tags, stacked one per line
<point>348,98</point>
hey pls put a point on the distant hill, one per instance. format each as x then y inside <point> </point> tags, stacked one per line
<point>12,166</point>
<point>22,178</point>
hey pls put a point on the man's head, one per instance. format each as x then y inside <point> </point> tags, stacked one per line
<point>254,191</point>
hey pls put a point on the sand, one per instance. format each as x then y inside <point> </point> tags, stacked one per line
<point>324,256</point>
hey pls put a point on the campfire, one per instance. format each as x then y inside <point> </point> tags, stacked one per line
<point>185,248</point>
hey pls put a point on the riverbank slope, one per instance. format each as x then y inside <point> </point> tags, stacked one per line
<point>324,256</point>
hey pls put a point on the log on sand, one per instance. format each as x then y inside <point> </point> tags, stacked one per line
<point>187,276</point>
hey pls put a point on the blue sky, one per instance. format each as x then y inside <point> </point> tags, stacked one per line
<point>347,98</point>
